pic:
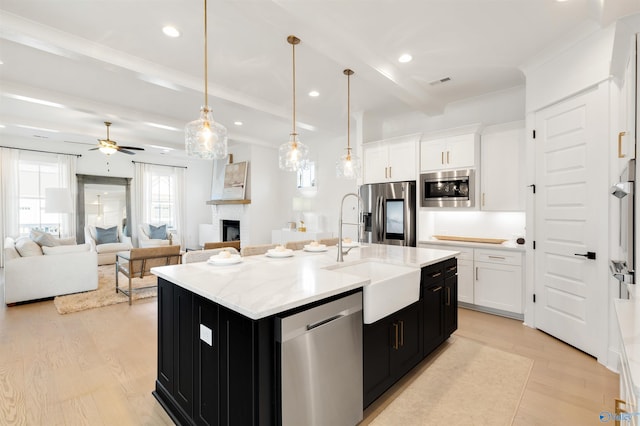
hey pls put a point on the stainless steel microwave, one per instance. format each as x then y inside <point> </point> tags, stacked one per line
<point>448,188</point>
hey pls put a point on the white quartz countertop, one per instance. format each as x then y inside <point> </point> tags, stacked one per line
<point>261,286</point>
<point>628,314</point>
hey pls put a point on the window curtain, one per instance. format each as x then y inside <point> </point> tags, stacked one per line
<point>9,196</point>
<point>180,201</point>
<point>141,198</point>
<point>67,179</point>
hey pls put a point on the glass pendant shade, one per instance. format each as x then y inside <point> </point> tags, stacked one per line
<point>349,166</point>
<point>293,155</point>
<point>204,138</point>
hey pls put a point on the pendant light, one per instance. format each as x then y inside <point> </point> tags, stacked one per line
<point>293,155</point>
<point>349,165</point>
<point>204,138</point>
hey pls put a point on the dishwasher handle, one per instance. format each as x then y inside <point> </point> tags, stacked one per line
<point>323,322</point>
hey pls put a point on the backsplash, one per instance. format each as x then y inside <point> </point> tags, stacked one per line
<point>508,225</point>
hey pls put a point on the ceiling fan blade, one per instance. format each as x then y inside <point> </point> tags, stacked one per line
<point>124,151</point>
<point>131,147</point>
<point>93,149</point>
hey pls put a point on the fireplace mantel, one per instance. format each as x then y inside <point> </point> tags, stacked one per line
<point>219,202</point>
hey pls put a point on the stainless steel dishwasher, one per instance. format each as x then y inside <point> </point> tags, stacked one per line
<point>321,364</point>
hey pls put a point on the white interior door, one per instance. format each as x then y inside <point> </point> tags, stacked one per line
<point>571,210</point>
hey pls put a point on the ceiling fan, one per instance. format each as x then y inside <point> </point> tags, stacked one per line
<point>107,146</point>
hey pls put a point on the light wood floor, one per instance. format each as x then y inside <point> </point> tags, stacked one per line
<point>98,367</point>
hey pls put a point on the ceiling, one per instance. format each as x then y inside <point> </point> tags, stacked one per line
<point>108,60</point>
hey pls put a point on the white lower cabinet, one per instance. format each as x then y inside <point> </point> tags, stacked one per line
<point>489,278</point>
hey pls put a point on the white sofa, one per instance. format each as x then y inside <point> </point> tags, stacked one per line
<point>144,239</point>
<point>106,252</point>
<point>54,271</point>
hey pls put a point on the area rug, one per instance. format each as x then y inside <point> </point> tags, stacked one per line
<point>106,293</point>
<point>468,384</point>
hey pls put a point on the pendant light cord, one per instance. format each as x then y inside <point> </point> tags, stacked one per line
<point>349,113</point>
<point>293,55</point>
<point>205,56</point>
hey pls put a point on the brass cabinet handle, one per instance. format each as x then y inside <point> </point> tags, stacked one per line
<point>483,199</point>
<point>436,289</point>
<point>401,333</point>
<point>620,135</point>
<point>448,296</point>
<point>437,274</point>
<point>389,172</point>
<point>447,157</point>
<point>442,157</point>
<point>476,273</point>
<point>497,257</point>
<point>452,268</point>
<point>395,343</point>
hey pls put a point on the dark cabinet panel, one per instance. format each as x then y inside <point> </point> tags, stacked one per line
<point>451,305</point>
<point>392,346</point>
<point>183,348</point>
<point>206,372</point>
<point>433,314</point>
<point>215,367</point>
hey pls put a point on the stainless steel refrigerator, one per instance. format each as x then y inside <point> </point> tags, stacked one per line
<point>389,213</point>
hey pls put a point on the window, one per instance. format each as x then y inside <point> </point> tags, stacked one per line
<point>163,197</point>
<point>34,176</point>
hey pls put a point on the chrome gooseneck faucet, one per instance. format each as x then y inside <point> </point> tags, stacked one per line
<point>340,223</point>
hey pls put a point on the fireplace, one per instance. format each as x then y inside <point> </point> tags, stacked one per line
<point>230,230</point>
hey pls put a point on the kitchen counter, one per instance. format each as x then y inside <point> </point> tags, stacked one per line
<point>507,245</point>
<point>260,286</point>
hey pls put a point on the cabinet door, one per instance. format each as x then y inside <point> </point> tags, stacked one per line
<point>376,357</point>
<point>433,316</point>
<point>465,281</point>
<point>450,305</point>
<point>375,159</point>
<point>206,347</point>
<point>499,286</point>
<point>406,349</point>
<point>432,155</point>
<point>502,170</point>
<point>402,161</point>
<point>460,151</point>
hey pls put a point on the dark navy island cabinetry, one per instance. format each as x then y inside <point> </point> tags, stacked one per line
<point>230,381</point>
<point>219,367</point>
<point>397,343</point>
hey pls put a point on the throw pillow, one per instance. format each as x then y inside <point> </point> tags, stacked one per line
<point>108,235</point>
<point>65,249</point>
<point>43,238</point>
<point>158,232</point>
<point>27,247</point>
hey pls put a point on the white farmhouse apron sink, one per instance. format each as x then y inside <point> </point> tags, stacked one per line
<point>391,287</point>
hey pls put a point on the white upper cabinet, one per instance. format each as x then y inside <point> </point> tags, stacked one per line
<point>502,168</point>
<point>453,152</point>
<point>390,160</point>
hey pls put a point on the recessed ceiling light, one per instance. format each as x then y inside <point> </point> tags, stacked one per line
<point>404,58</point>
<point>314,93</point>
<point>238,123</point>
<point>171,31</point>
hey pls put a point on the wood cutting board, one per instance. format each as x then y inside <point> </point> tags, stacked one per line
<point>470,239</point>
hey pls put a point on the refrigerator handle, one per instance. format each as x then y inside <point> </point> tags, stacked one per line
<point>380,219</point>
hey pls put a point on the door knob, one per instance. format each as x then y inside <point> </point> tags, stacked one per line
<point>589,255</point>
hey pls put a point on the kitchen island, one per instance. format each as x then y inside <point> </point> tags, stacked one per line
<point>217,346</point>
